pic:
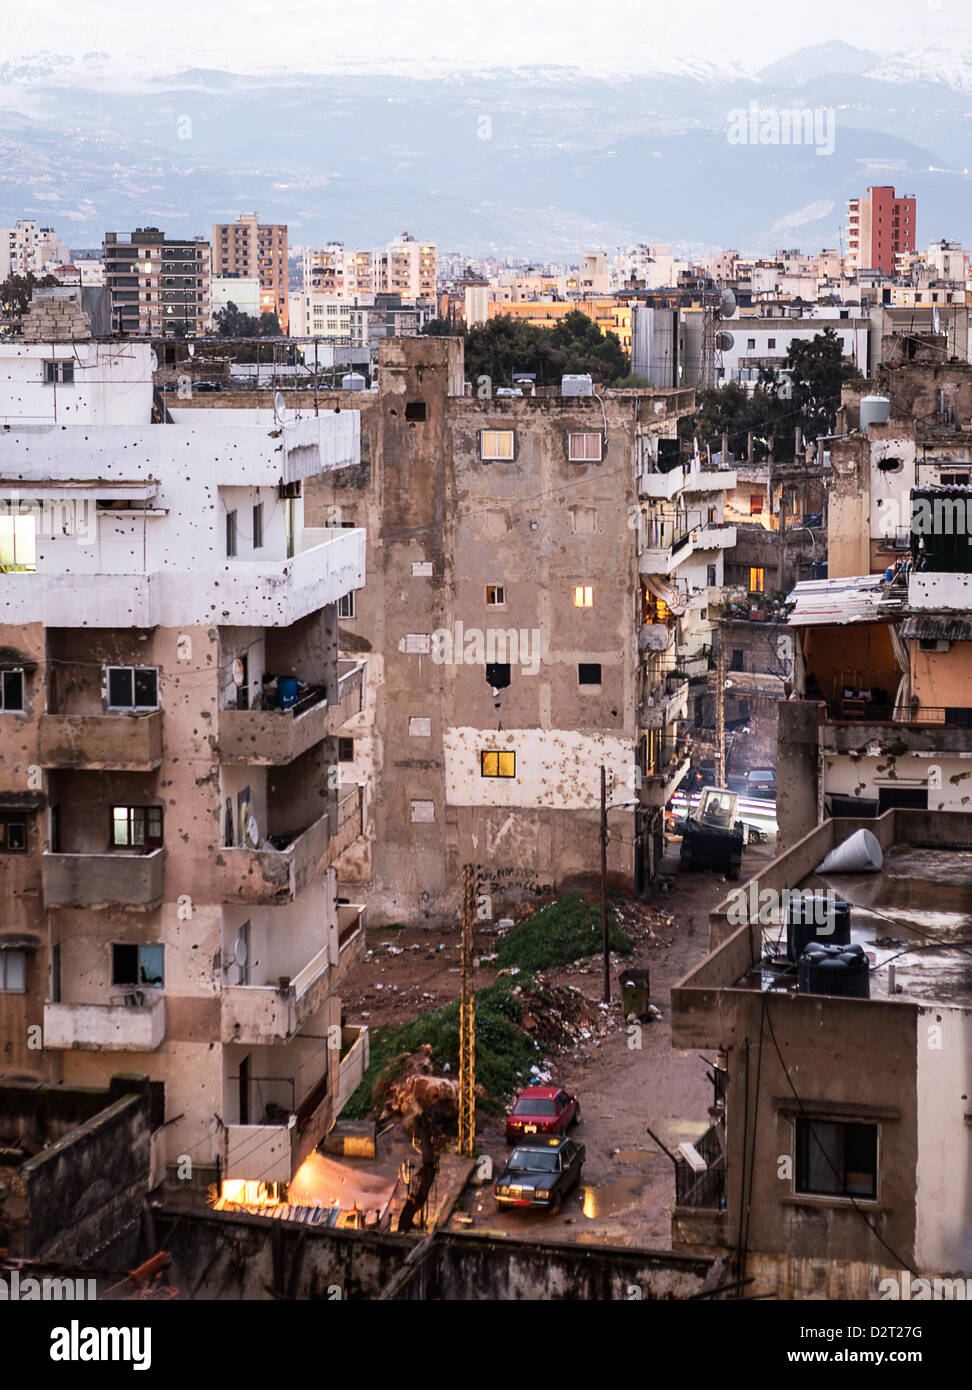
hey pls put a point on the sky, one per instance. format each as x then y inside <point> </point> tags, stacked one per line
<point>248,36</point>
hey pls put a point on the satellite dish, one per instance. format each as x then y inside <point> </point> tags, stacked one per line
<point>724,341</point>
<point>154,359</point>
<point>727,304</point>
<point>253,831</point>
<point>238,672</point>
<point>279,406</point>
<point>240,952</point>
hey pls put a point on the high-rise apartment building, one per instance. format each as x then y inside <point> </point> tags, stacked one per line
<point>248,248</point>
<point>170,806</point>
<point>158,285</point>
<point>405,267</point>
<point>880,227</point>
<point>30,250</point>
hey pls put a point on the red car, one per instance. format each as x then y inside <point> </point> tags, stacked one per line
<point>541,1110</point>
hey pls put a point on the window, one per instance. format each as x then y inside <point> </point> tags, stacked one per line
<point>496,444</point>
<point>18,542</point>
<point>836,1158</point>
<point>750,344</point>
<point>755,503</point>
<point>133,687</point>
<point>137,965</point>
<point>230,534</point>
<point>584,448</point>
<point>345,750</point>
<point>136,827</point>
<point>62,372</point>
<point>495,595</point>
<point>771,342</point>
<point>494,763</point>
<point>258,526</point>
<point>12,690</point>
<point>346,605</point>
<point>13,972</point>
<point>755,580</point>
<point>738,660</point>
<point>589,673</point>
<point>583,596</point>
<point>414,410</point>
<point>710,575</point>
<point>13,834</point>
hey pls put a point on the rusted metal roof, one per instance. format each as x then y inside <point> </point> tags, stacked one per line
<point>856,599</point>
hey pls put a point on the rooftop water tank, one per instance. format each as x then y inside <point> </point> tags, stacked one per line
<point>875,410</point>
<point>577,385</point>
<point>353,381</point>
<point>816,917</point>
<point>844,971</point>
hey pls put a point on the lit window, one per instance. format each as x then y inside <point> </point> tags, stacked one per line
<point>494,763</point>
<point>755,503</point>
<point>136,827</point>
<point>495,595</point>
<point>755,580</point>
<point>18,542</point>
<point>584,448</point>
<point>583,596</point>
<point>496,444</point>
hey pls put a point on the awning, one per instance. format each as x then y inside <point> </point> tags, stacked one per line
<point>676,601</point>
<point>923,629</point>
<point>857,599</point>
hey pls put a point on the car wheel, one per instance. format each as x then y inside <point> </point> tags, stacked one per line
<point>555,1209</point>
<point>576,1119</point>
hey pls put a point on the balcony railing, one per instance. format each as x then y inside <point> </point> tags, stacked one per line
<point>102,742</point>
<point>271,876</point>
<point>859,711</point>
<point>266,1014</point>
<point>112,1027</point>
<point>350,819</point>
<point>103,880</point>
<point>703,1189</point>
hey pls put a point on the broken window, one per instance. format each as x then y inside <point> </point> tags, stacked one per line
<point>136,827</point>
<point>13,834</point>
<point>498,674</point>
<point>836,1159</point>
<point>137,965</point>
<point>589,673</point>
<point>414,410</point>
<point>497,763</point>
<point>133,687</point>
<point>12,690</point>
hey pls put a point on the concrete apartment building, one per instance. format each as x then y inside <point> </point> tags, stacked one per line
<point>840,1146</point>
<point>540,573</point>
<point>884,651</point>
<point>171,807</point>
<point>762,339</point>
<point>158,285</point>
<point>253,249</point>
<point>30,250</point>
<point>880,227</point>
<point>405,267</point>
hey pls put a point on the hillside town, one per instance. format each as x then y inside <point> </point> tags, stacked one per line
<point>484,766</point>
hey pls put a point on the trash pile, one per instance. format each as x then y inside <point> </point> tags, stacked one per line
<point>558,1016</point>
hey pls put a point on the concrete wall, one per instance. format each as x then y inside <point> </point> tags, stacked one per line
<point>797,770</point>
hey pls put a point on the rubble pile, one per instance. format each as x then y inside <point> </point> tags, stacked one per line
<point>557,1017</point>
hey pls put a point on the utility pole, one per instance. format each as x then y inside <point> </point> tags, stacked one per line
<point>720,715</point>
<point>467,1021</point>
<point>604,911</point>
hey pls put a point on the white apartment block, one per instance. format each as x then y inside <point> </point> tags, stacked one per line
<point>405,267</point>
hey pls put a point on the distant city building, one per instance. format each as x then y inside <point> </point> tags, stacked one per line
<point>879,227</point>
<point>250,248</point>
<point>405,267</point>
<point>244,291</point>
<point>158,285</point>
<point>30,250</point>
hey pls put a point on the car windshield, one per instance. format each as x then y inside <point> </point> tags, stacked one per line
<point>529,1160</point>
<point>762,776</point>
<point>533,1105</point>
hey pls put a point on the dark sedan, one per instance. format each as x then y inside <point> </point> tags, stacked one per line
<point>540,1174</point>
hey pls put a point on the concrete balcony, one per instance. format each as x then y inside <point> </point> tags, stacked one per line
<point>350,819</point>
<point>711,480</point>
<point>351,941</point>
<point>271,876</point>
<point>135,881</point>
<point>116,1027</point>
<point>81,600</point>
<point>274,737</point>
<point>256,1014</point>
<point>102,742</point>
<point>665,558</point>
<point>714,538</point>
<point>661,487</point>
<point>272,1152</point>
<point>350,695</point>
<point>666,706</point>
<point>355,1056</point>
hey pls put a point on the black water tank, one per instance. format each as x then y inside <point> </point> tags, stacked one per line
<point>835,970</point>
<point>816,917</point>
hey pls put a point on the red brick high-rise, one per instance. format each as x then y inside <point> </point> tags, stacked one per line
<point>879,227</point>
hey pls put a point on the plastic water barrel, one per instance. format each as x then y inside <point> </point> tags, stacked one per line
<point>286,692</point>
<point>875,410</point>
<point>834,970</point>
<point>816,918</point>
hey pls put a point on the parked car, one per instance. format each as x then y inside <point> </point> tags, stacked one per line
<point>540,1174</point>
<point>761,783</point>
<point>541,1110</point>
<point>207,386</point>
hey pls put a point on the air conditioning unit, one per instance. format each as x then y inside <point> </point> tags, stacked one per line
<point>580,385</point>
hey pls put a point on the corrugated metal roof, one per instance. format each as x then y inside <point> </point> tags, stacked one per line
<point>937,629</point>
<point>855,599</point>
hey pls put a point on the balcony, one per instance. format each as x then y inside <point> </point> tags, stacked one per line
<point>665,703</point>
<point>351,940</point>
<point>350,821</point>
<point>274,1150</point>
<point>102,742</point>
<point>257,1014</point>
<point>135,881</point>
<point>271,876</point>
<point>355,1056</point>
<point>714,538</point>
<point>115,1027</point>
<point>661,487</point>
<point>82,600</point>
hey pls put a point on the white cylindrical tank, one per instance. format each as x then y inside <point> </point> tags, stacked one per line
<point>860,853</point>
<point>875,410</point>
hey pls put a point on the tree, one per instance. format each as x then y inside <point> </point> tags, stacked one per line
<point>443,328</point>
<point>17,291</point>
<point>817,370</point>
<point>232,322</point>
<point>505,344</point>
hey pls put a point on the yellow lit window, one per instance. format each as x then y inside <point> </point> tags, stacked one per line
<point>497,444</point>
<point>493,763</point>
<point>755,580</point>
<point>583,596</point>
